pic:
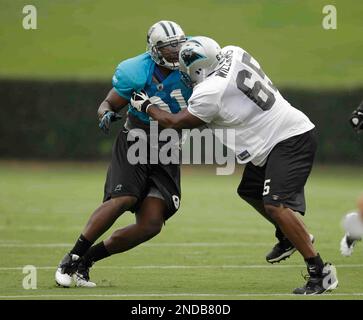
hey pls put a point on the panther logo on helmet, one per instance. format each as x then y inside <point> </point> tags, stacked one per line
<point>198,58</point>
<point>189,56</point>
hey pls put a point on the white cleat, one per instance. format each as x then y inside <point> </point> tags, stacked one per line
<point>63,279</point>
<point>328,281</point>
<point>330,277</point>
<point>347,245</point>
<point>68,265</point>
<point>82,281</point>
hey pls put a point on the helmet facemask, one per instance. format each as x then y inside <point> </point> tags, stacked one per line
<point>166,54</point>
<point>187,80</point>
<point>191,80</point>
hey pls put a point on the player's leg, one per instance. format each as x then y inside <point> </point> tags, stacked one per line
<point>293,227</point>
<point>148,223</point>
<point>283,249</point>
<point>322,276</point>
<point>104,217</point>
<point>101,220</point>
<point>250,189</point>
<point>287,170</point>
<point>124,185</point>
<point>353,227</point>
<point>161,202</point>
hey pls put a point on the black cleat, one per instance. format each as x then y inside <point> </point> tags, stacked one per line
<point>282,250</point>
<point>318,285</point>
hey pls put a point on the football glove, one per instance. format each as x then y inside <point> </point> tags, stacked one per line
<point>107,118</point>
<point>140,101</point>
<point>356,119</point>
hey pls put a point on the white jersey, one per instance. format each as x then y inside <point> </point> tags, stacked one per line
<point>240,96</point>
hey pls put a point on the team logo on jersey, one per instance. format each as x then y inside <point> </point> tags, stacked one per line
<point>176,201</point>
<point>118,187</point>
<point>189,56</point>
<point>243,155</point>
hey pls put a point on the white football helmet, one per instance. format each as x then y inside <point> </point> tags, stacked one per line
<point>164,40</point>
<point>198,58</point>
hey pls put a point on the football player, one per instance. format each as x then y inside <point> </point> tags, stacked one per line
<point>275,140</point>
<point>353,227</point>
<point>356,119</point>
<point>151,191</point>
<point>353,222</point>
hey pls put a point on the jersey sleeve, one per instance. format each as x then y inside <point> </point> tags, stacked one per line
<point>130,75</point>
<point>203,104</point>
<point>122,82</point>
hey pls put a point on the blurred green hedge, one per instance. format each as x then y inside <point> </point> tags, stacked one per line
<point>57,120</point>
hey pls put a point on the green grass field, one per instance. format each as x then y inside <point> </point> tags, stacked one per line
<point>214,248</point>
<point>87,39</point>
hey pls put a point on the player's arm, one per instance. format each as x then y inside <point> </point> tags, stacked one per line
<point>113,102</point>
<point>124,82</point>
<point>201,110</point>
<point>109,108</point>
<point>181,120</point>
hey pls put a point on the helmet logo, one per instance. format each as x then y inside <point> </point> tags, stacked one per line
<point>189,56</point>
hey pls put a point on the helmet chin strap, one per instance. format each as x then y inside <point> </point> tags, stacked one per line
<point>169,65</point>
<point>164,63</point>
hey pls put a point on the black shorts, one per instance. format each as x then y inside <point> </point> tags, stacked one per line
<point>282,179</point>
<point>125,179</point>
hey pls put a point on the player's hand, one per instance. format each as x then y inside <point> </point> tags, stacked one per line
<point>140,101</point>
<point>356,120</point>
<point>107,118</point>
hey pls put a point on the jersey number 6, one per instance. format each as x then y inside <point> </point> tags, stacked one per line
<point>254,92</point>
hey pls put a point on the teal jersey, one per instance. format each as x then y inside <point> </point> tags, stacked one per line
<point>137,73</point>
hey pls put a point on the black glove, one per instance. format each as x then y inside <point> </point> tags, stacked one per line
<point>107,118</point>
<point>356,119</point>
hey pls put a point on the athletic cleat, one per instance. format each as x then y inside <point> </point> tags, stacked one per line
<point>81,276</point>
<point>68,265</point>
<point>282,250</point>
<point>347,245</point>
<point>318,285</point>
